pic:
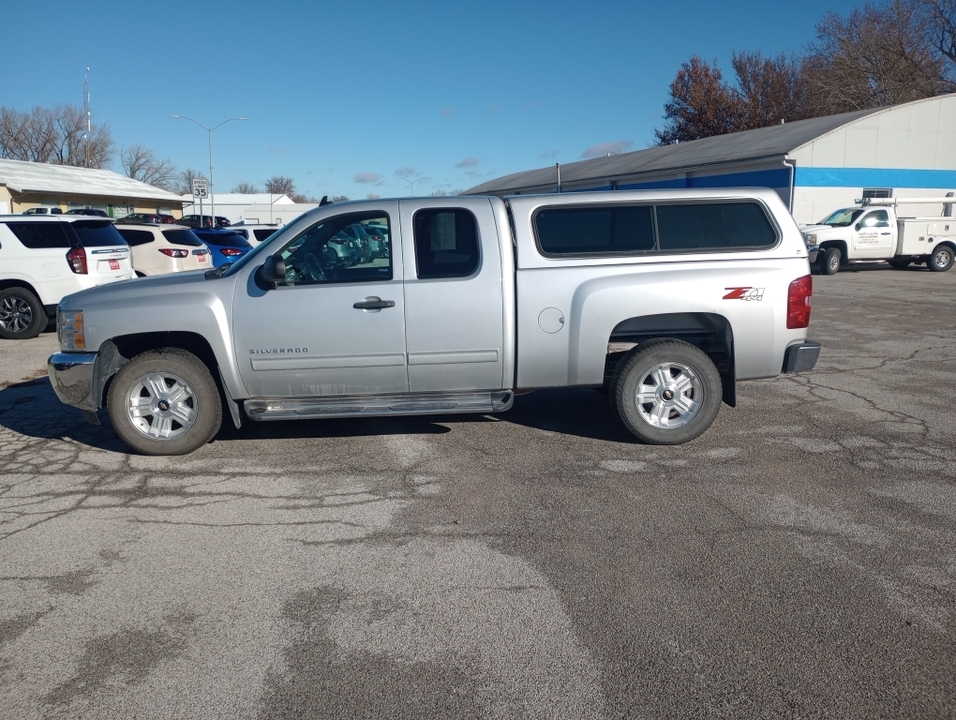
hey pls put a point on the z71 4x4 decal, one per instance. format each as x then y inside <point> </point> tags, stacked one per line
<point>744,293</point>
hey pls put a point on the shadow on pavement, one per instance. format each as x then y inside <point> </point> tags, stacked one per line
<point>32,409</point>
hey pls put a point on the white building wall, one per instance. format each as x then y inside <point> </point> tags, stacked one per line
<point>909,150</point>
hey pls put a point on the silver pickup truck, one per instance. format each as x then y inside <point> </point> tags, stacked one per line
<point>453,305</point>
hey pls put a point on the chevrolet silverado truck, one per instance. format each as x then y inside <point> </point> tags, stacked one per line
<point>872,230</point>
<point>664,299</point>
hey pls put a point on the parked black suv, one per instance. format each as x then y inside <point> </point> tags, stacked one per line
<point>204,221</point>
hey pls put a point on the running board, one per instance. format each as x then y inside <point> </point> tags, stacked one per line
<point>378,405</point>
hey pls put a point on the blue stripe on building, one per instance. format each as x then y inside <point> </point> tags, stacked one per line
<point>875,178</point>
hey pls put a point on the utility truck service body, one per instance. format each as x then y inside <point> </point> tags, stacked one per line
<point>663,298</point>
<point>873,230</point>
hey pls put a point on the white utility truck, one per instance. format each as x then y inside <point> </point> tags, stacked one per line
<point>872,230</point>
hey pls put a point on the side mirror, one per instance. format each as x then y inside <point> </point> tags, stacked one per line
<point>271,272</point>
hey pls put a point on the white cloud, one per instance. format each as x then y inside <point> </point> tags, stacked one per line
<point>467,162</point>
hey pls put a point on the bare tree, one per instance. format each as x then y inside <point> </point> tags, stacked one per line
<point>279,185</point>
<point>373,196</point>
<point>58,136</point>
<point>769,90</point>
<point>874,57</point>
<point>142,164</point>
<point>245,188</point>
<point>701,104</point>
<point>339,198</point>
<point>941,23</point>
<point>183,184</point>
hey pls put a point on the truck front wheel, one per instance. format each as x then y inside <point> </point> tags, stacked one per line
<point>941,260</point>
<point>164,402</point>
<point>831,260</point>
<point>667,392</point>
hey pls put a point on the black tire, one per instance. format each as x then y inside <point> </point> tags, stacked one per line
<point>941,259</point>
<point>165,402</point>
<point>899,264</point>
<point>832,257</point>
<point>680,387</point>
<point>21,314</point>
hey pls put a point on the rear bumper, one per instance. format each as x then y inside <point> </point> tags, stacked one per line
<point>71,375</point>
<point>801,357</point>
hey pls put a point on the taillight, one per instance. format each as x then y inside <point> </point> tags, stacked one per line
<point>231,252</point>
<point>77,260</point>
<point>798,303</point>
<point>174,253</point>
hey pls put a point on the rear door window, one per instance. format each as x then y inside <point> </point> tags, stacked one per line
<point>40,235</point>
<point>446,243</point>
<point>135,237</point>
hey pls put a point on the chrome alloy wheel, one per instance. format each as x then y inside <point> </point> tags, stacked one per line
<point>161,406</point>
<point>15,314</point>
<point>669,395</point>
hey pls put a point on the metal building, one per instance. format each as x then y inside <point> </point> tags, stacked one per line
<point>58,188</point>
<point>816,165</point>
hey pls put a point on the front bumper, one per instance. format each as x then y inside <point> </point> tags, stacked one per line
<point>812,252</point>
<point>71,375</point>
<point>801,357</point>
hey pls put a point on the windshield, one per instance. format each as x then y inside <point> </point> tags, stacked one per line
<point>842,217</point>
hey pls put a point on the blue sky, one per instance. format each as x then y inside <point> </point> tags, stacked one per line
<point>346,97</point>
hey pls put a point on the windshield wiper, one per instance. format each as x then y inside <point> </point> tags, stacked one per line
<point>218,271</point>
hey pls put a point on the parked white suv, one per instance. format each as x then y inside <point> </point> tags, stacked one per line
<point>45,257</point>
<point>255,233</point>
<point>162,249</point>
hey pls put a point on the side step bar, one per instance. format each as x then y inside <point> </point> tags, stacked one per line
<point>378,405</point>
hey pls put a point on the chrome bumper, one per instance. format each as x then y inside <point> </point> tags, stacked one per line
<point>71,375</point>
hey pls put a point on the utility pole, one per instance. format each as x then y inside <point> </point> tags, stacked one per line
<point>86,111</point>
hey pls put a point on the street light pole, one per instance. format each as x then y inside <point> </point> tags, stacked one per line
<point>212,192</point>
<point>411,183</point>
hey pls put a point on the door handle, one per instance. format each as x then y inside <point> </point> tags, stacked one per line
<point>373,303</point>
<point>886,233</point>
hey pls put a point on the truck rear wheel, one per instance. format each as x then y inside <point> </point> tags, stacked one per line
<point>667,392</point>
<point>832,258</point>
<point>941,260</point>
<point>164,402</point>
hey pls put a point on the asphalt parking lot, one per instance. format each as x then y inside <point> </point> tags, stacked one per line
<point>797,561</point>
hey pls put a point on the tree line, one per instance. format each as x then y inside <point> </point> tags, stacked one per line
<point>62,136</point>
<point>878,55</point>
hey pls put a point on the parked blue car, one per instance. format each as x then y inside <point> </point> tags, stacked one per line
<point>226,246</point>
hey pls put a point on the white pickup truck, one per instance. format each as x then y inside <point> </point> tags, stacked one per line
<point>872,230</point>
<point>663,298</point>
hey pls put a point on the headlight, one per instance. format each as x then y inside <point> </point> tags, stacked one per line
<point>69,330</point>
<point>811,239</point>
